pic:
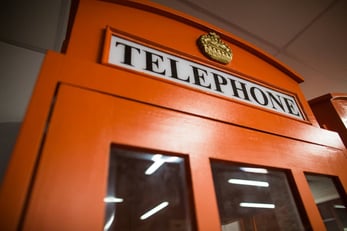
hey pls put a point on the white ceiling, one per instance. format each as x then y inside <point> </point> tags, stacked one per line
<point>310,36</point>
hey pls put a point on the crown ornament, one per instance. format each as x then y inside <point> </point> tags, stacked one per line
<point>214,48</point>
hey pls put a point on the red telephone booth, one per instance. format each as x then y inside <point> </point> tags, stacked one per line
<point>154,120</point>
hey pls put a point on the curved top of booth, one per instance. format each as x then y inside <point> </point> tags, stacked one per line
<point>171,46</point>
<point>169,30</point>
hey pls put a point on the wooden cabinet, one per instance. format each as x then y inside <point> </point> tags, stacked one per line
<point>331,112</point>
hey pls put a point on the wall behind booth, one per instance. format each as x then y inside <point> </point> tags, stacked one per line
<point>28,30</point>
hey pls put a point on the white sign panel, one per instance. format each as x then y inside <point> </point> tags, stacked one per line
<point>140,58</point>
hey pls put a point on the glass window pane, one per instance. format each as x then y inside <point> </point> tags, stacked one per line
<point>254,198</point>
<point>330,204</point>
<point>147,191</point>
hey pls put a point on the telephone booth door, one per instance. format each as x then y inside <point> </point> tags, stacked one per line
<point>71,181</point>
<point>98,149</point>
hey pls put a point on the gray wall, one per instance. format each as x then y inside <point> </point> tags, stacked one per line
<point>27,30</point>
<point>8,134</point>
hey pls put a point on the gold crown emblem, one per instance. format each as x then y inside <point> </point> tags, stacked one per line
<point>213,47</point>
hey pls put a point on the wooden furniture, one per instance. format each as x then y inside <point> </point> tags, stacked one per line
<point>331,113</point>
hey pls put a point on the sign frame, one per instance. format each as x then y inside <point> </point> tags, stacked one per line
<point>246,91</point>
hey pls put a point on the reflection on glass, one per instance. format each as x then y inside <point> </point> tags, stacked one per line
<point>254,199</point>
<point>330,204</point>
<point>147,191</point>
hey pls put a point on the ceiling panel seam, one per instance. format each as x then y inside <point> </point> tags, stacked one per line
<point>221,19</point>
<point>24,45</point>
<point>308,26</point>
